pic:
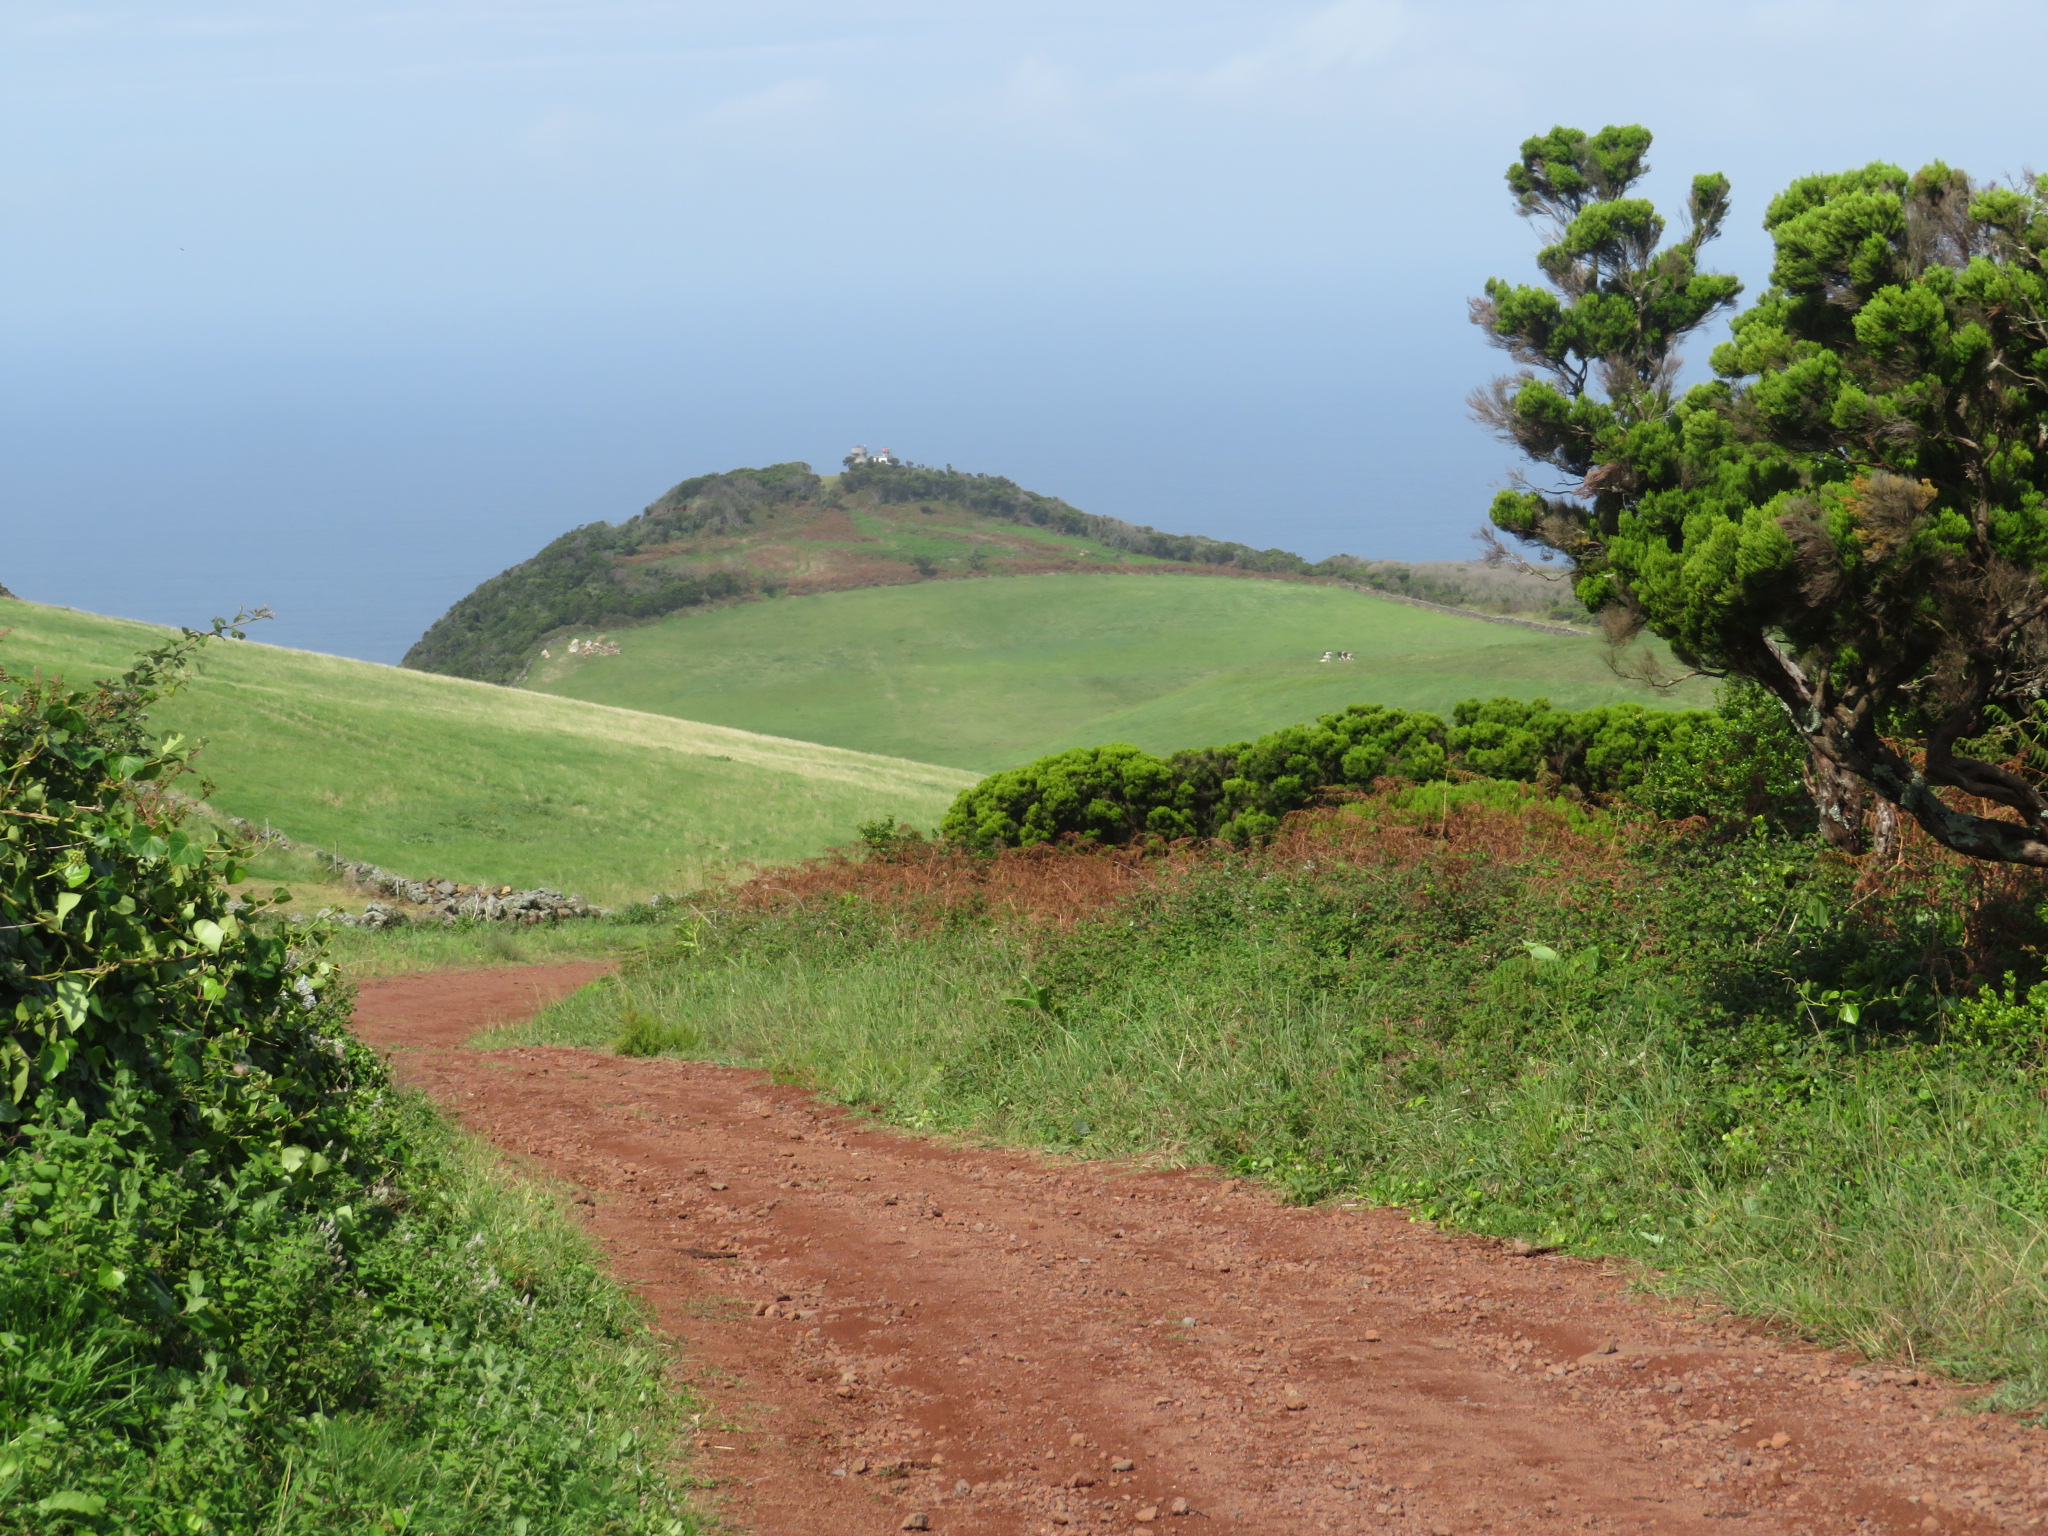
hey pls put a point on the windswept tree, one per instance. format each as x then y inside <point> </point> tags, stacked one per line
<point>1854,513</point>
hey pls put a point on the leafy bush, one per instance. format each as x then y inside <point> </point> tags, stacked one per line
<point>124,976</point>
<point>242,1283</point>
<point>1732,766</point>
<point>1108,794</point>
<point>1740,765</point>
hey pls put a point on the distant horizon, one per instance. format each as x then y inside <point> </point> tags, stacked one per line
<point>256,627</point>
<point>345,310</point>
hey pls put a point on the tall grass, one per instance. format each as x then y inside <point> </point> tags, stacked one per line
<point>1713,1060</point>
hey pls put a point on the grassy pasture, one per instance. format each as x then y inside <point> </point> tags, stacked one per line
<point>438,776</point>
<point>989,673</point>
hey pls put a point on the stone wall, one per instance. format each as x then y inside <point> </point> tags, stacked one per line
<point>445,901</point>
<point>426,901</point>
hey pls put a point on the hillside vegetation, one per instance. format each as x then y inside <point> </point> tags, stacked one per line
<point>436,776</point>
<point>988,674</point>
<point>782,530</point>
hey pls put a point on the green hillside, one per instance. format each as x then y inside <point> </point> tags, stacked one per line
<point>748,534</point>
<point>436,776</point>
<point>989,673</point>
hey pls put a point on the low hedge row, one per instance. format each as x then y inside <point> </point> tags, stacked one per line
<point>1737,762</point>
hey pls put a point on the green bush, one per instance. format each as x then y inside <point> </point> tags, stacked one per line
<point>242,1284</point>
<point>1107,794</point>
<point>1741,765</point>
<point>1731,766</point>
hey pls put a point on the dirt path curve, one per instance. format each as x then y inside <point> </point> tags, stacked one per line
<point>897,1333</point>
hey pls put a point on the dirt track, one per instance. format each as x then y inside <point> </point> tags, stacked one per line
<point>1003,1343</point>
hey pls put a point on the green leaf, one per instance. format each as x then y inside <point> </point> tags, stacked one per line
<point>209,933</point>
<point>72,1502</point>
<point>74,1001</point>
<point>1542,954</point>
<point>294,1158</point>
<point>111,1277</point>
<point>65,902</point>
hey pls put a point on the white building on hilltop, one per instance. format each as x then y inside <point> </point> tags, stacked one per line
<point>860,455</point>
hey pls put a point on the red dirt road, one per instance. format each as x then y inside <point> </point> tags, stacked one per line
<point>999,1342</point>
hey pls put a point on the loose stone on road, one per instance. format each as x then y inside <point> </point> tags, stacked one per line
<point>896,1333</point>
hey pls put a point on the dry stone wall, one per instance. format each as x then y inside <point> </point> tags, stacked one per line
<point>446,901</point>
<point>427,901</point>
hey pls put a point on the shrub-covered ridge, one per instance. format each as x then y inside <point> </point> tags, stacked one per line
<point>586,577</point>
<point>751,533</point>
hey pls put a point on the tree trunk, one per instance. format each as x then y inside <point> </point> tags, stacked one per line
<point>1839,796</point>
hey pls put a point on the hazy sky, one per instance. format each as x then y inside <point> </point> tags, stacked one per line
<point>343,307</point>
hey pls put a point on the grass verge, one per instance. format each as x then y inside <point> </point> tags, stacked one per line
<point>1742,1064</point>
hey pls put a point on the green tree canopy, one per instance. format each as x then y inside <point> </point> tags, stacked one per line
<point>1853,513</point>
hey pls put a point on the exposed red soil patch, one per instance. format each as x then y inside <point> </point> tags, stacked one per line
<point>1000,1342</point>
<point>1060,884</point>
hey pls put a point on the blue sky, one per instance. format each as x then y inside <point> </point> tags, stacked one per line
<point>343,307</point>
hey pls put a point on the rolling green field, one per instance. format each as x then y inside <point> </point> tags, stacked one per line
<point>436,776</point>
<point>989,673</point>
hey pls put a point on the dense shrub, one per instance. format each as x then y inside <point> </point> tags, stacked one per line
<point>124,976</point>
<point>1729,767</point>
<point>1107,794</point>
<point>1742,764</point>
<point>243,1284</point>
